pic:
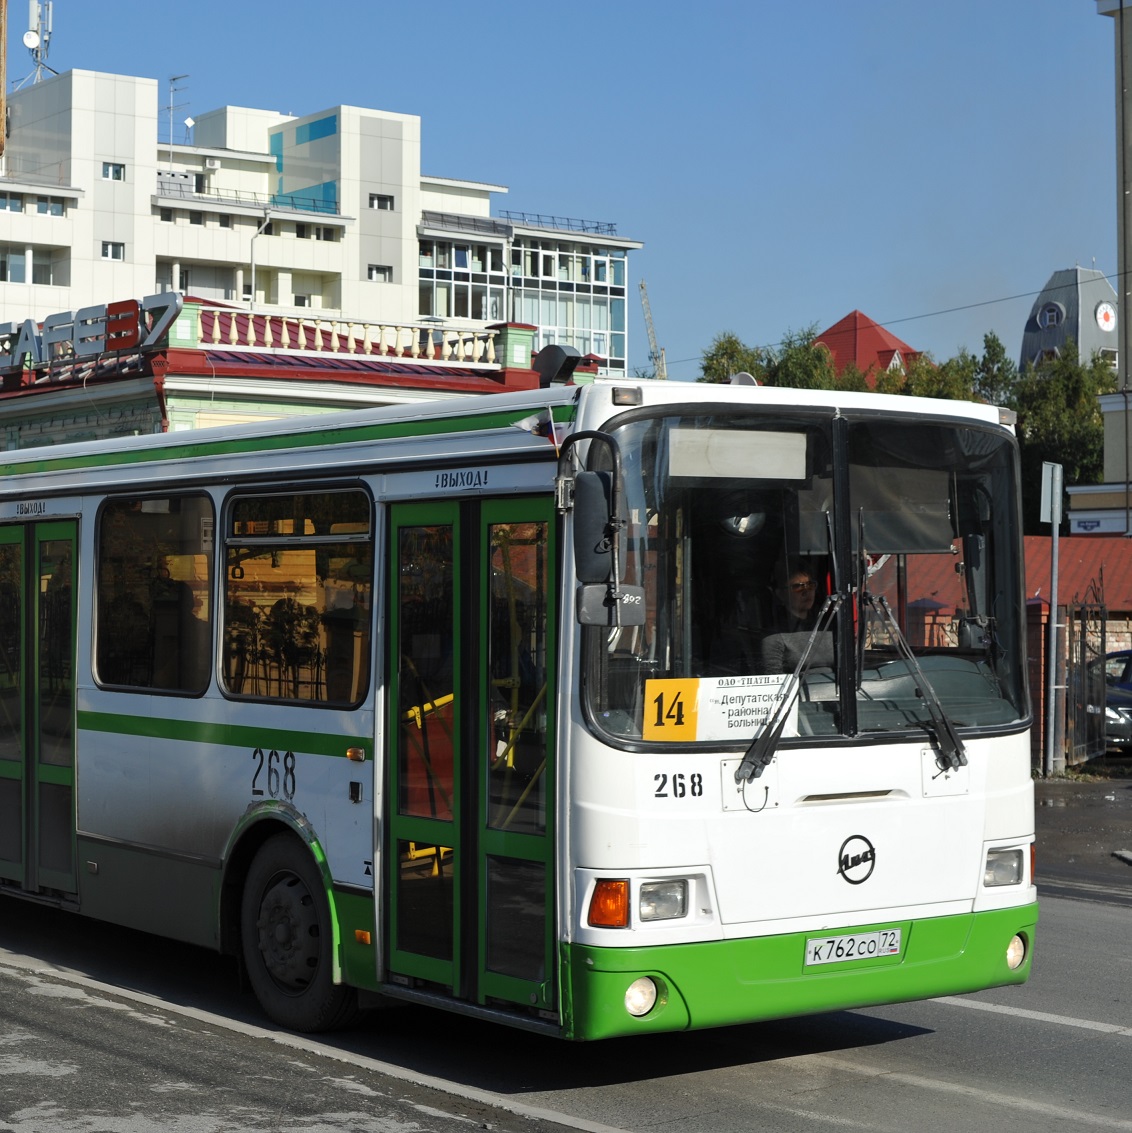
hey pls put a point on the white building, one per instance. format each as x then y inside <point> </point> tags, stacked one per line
<point>328,212</point>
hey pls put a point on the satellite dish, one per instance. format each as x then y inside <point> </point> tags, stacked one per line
<point>31,39</point>
<point>743,379</point>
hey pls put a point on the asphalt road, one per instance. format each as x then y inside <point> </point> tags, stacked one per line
<point>1082,825</point>
<point>103,1030</point>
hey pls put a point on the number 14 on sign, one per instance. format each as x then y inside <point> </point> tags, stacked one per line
<point>671,710</point>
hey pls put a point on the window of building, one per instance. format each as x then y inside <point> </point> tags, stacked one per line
<point>1051,315</point>
<point>325,232</point>
<point>166,215</point>
<point>302,231</point>
<point>381,201</point>
<point>224,220</point>
<point>11,202</point>
<point>42,269</point>
<point>196,217</point>
<point>49,206</point>
<point>183,282</point>
<point>381,273</point>
<point>113,171</point>
<point>302,300</point>
<point>153,615</point>
<point>298,603</point>
<point>113,250</point>
<point>200,184</point>
<point>269,228</point>
<point>13,265</point>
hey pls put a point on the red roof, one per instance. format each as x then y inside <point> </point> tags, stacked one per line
<point>1081,562</point>
<point>857,340</point>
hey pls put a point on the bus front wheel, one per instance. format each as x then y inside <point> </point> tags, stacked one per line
<point>287,940</point>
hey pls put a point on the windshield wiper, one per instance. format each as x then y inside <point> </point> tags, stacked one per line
<point>950,752</point>
<point>762,749</point>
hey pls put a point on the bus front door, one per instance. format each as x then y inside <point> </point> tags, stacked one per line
<point>471,771</point>
<point>37,707</point>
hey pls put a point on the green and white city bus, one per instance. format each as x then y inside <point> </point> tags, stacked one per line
<point>598,710</point>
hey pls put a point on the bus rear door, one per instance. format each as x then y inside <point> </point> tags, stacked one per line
<point>37,707</point>
<point>471,773</point>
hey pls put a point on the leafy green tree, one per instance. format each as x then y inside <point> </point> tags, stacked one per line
<point>853,379</point>
<point>996,375</point>
<point>1060,421</point>
<point>728,355</point>
<point>889,381</point>
<point>799,362</point>
<point>954,378</point>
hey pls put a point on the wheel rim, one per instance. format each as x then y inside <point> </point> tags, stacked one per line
<point>289,939</point>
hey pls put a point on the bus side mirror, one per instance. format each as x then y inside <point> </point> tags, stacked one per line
<point>597,501</point>
<point>601,605</point>
<point>593,527</point>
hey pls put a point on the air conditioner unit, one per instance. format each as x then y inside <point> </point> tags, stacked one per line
<point>212,163</point>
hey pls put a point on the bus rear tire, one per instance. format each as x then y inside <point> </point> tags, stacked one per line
<point>287,940</point>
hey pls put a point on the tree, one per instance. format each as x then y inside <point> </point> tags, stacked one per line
<point>800,363</point>
<point>1060,421</point>
<point>996,375</point>
<point>728,355</point>
<point>954,378</point>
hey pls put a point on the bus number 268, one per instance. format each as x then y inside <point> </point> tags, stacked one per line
<point>275,771</point>
<point>678,786</point>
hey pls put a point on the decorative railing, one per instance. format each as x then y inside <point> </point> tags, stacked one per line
<point>230,327</point>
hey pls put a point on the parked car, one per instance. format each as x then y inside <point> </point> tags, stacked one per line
<point>1118,718</point>
<point>1118,669</point>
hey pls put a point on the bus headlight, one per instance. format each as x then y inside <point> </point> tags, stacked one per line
<point>1004,867</point>
<point>640,997</point>
<point>663,900</point>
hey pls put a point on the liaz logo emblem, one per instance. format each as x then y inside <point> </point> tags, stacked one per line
<point>856,859</point>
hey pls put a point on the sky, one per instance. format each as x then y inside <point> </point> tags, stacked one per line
<point>783,163</point>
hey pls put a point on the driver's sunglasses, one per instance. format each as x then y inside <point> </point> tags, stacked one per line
<point>802,587</point>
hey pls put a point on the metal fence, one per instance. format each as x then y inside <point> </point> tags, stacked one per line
<point>1085,621</point>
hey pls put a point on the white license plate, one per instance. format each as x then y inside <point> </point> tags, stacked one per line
<point>857,946</point>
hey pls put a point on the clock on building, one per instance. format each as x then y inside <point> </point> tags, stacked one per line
<point>1106,316</point>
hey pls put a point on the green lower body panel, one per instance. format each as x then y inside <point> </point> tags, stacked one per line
<point>357,929</point>
<point>721,983</point>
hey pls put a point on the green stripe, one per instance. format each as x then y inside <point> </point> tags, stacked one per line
<point>345,434</point>
<point>223,735</point>
<point>752,979</point>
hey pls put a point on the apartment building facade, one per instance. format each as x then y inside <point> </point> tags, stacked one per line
<point>325,214</point>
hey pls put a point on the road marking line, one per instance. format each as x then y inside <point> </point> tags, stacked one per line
<point>974,1093</point>
<point>1039,1016</point>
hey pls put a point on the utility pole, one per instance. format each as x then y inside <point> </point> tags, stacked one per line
<point>3,73</point>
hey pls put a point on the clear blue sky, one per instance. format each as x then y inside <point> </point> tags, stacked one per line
<point>783,162</point>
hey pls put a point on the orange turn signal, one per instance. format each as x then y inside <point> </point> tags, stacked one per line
<point>362,936</point>
<point>609,905</point>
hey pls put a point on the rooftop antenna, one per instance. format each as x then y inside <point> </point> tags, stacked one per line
<point>173,90</point>
<point>37,39</point>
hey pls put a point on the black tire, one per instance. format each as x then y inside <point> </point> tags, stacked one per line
<point>287,940</point>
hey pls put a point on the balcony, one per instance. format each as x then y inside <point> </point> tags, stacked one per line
<point>183,190</point>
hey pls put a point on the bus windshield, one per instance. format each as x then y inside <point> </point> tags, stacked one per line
<point>757,536</point>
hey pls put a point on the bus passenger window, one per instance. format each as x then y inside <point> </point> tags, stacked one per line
<point>298,597</point>
<point>153,621</point>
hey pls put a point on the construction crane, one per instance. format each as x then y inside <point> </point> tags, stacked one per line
<point>656,354</point>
